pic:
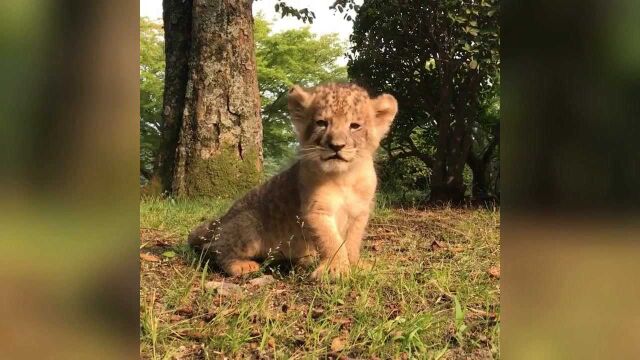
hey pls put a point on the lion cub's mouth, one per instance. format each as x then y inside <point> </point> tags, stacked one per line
<point>335,157</point>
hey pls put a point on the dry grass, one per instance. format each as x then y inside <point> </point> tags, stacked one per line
<point>429,295</point>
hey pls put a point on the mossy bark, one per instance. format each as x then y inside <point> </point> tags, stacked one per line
<point>223,175</point>
<point>219,150</point>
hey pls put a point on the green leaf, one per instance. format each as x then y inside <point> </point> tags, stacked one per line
<point>430,64</point>
<point>169,254</point>
<point>459,315</point>
<point>473,64</point>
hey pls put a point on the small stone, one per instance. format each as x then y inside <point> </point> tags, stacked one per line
<point>223,288</point>
<point>262,281</point>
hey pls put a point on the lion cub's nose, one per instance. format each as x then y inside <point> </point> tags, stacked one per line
<point>336,147</point>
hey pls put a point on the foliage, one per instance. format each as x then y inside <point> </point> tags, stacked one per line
<point>441,61</point>
<point>290,57</point>
<point>301,14</point>
<point>151,89</point>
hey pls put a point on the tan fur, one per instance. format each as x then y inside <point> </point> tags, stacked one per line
<point>318,206</point>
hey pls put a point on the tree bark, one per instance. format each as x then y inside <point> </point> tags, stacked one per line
<point>479,164</point>
<point>219,147</point>
<point>454,143</point>
<point>177,29</point>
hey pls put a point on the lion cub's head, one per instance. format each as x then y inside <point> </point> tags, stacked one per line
<point>339,124</point>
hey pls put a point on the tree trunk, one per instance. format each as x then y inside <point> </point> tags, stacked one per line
<point>479,164</point>
<point>480,187</point>
<point>454,140</point>
<point>219,148</point>
<point>440,191</point>
<point>177,28</point>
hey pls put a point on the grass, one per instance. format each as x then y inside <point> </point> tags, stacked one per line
<point>429,294</point>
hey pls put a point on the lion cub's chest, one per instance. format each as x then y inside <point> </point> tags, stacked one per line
<point>343,200</point>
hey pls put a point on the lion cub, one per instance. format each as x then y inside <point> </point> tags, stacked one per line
<point>321,204</point>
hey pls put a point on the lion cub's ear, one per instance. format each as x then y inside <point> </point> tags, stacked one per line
<point>385,107</point>
<point>299,101</point>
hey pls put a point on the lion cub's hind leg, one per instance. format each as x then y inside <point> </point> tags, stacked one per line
<point>239,246</point>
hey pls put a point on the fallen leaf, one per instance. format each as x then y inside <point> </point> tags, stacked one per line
<point>483,314</point>
<point>193,335</point>
<point>169,254</point>
<point>223,288</point>
<point>185,311</point>
<point>494,271</point>
<point>271,342</point>
<point>174,318</point>
<point>162,243</point>
<point>149,257</point>
<point>262,281</point>
<point>436,245</point>
<point>337,344</point>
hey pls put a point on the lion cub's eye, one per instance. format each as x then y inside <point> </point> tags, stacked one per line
<point>322,123</point>
<point>354,126</point>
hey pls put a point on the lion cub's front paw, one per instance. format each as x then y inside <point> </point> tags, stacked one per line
<point>334,270</point>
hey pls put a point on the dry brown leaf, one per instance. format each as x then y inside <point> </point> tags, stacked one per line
<point>337,344</point>
<point>162,243</point>
<point>192,335</point>
<point>494,271</point>
<point>482,313</point>
<point>185,311</point>
<point>149,257</point>
<point>436,245</point>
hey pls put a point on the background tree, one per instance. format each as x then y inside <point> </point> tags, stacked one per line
<point>440,59</point>
<point>151,88</point>
<point>290,57</point>
<point>213,111</point>
<point>285,58</point>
